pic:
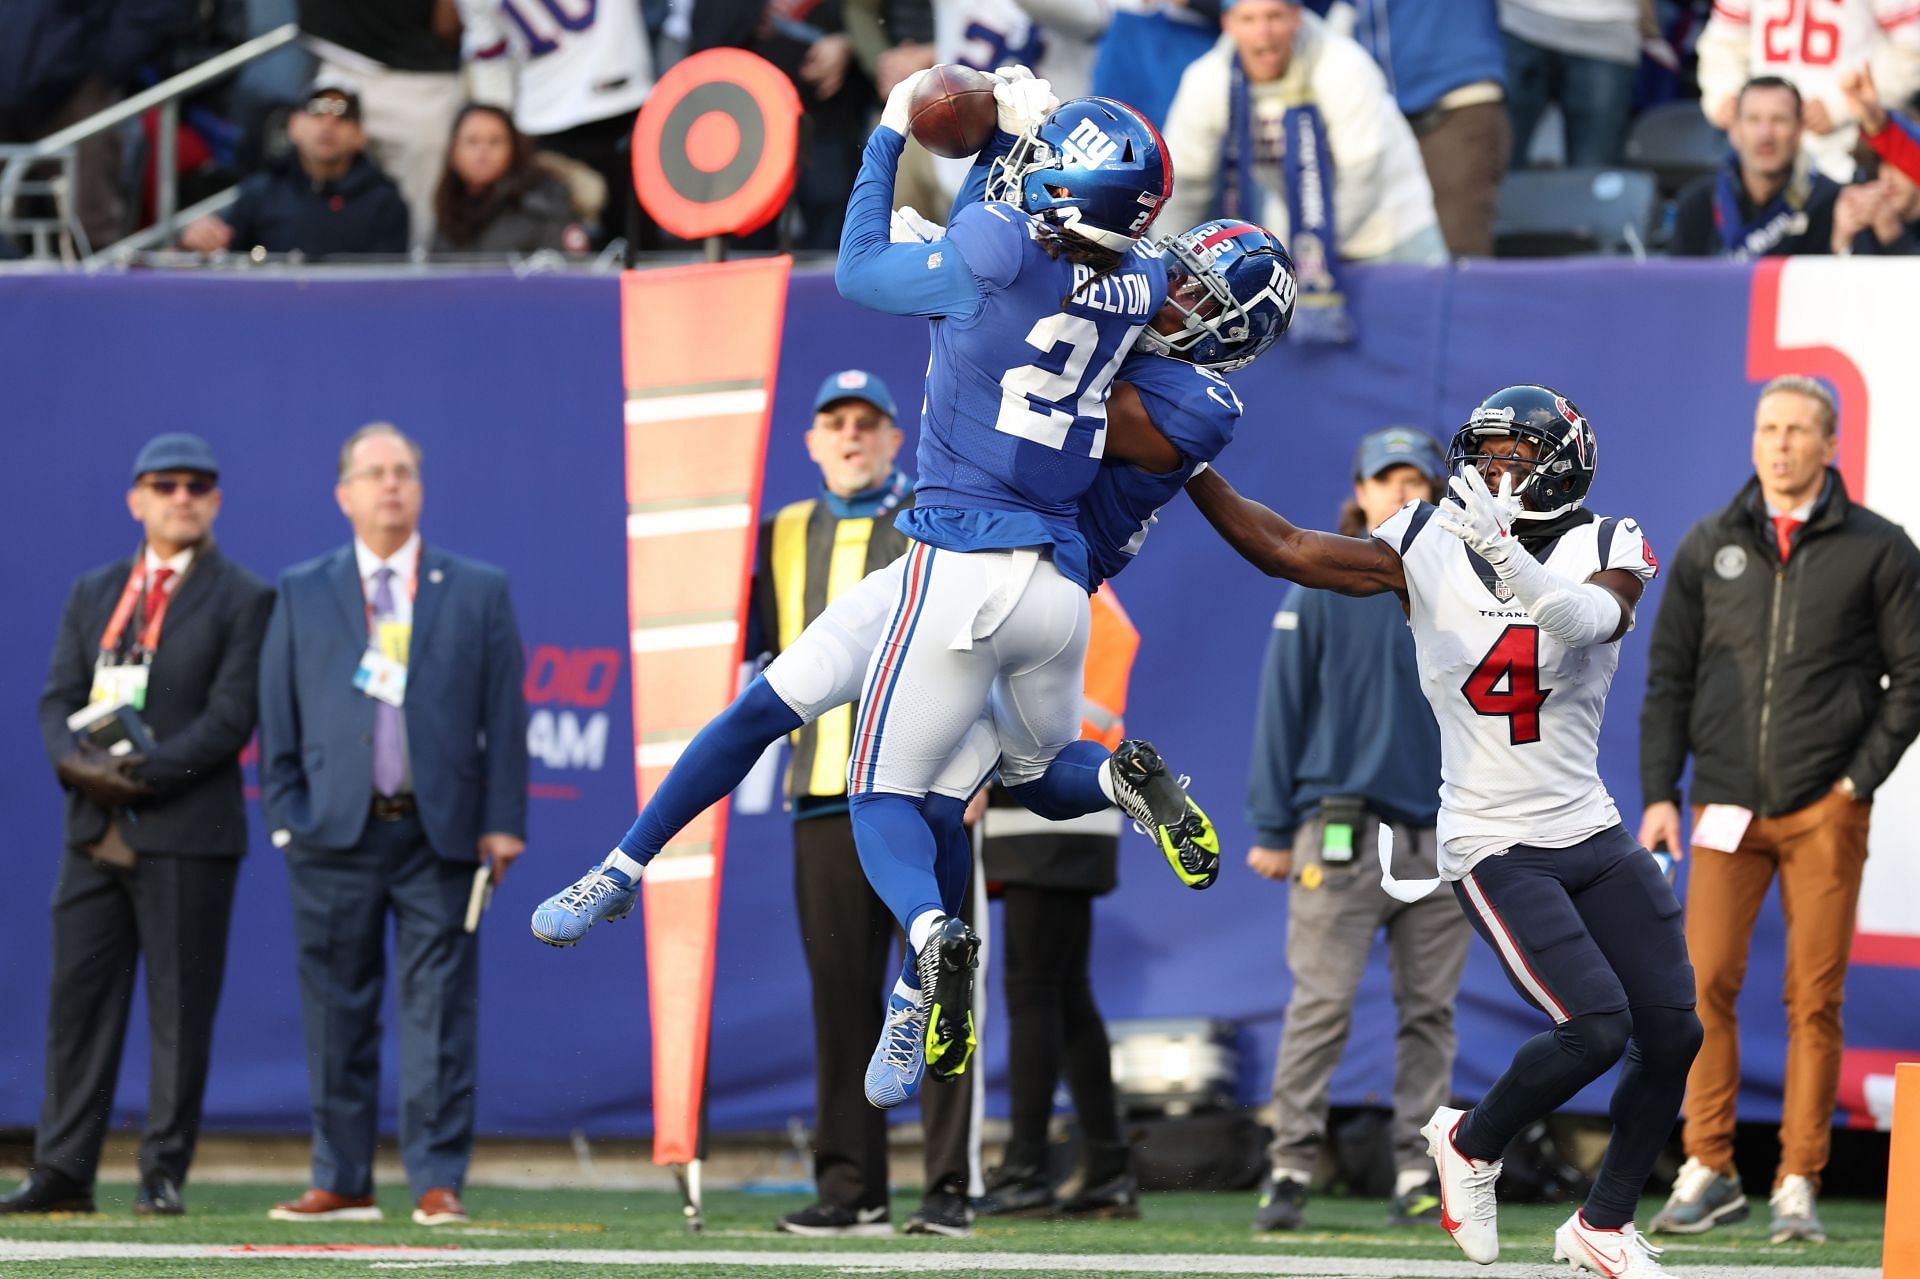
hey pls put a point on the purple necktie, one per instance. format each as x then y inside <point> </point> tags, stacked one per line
<point>389,754</point>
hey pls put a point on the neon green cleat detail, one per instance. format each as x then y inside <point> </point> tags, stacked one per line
<point>1160,807</point>
<point>946,975</point>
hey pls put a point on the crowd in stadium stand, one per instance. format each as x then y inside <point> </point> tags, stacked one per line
<point>1243,89</point>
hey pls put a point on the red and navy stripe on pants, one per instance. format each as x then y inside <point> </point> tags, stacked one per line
<point>886,677</point>
<point>1591,928</point>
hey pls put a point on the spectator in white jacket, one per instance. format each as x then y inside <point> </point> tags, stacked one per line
<point>1290,125</point>
<point>1811,46</point>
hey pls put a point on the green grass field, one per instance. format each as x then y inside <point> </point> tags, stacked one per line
<point>566,1233</point>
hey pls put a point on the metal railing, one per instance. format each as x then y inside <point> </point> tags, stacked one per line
<point>61,151</point>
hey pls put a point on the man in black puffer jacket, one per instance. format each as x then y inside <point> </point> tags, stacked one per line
<point>327,200</point>
<point>1786,661</point>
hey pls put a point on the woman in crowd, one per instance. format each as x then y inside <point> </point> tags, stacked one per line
<point>495,197</point>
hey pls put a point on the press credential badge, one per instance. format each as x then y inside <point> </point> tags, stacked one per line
<point>383,667</point>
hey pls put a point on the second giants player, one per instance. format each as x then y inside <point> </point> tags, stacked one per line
<point>1518,596</point>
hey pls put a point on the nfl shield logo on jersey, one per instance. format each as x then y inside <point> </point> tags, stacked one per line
<point>1502,592</point>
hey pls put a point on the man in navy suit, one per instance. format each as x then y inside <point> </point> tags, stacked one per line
<point>393,765</point>
<point>153,841</point>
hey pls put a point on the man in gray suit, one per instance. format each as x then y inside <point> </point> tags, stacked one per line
<point>393,768</point>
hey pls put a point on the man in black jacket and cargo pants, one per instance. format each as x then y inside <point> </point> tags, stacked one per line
<point>1786,660</point>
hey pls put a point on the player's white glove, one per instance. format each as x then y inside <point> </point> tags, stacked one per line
<point>898,112</point>
<point>1022,100</point>
<point>1479,518</point>
<point>908,227</point>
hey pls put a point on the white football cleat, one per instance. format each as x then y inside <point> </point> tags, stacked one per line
<point>1467,1207</point>
<point>1613,1254</point>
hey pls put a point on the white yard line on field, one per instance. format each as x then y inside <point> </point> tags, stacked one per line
<point>1299,1267</point>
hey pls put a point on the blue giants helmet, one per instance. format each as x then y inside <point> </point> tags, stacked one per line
<point>1095,167</point>
<point>1565,452</point>
<point>1233,284</point>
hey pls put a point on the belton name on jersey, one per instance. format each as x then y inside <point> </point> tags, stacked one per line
<point>1519,711</point>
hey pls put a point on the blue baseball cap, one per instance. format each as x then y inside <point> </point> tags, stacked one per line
<point>1399,446</point>
<point>855,384</point>
<point>176,451</point>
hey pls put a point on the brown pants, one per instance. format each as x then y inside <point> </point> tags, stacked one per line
<point>1466,156</point>
<point>1819,852</point>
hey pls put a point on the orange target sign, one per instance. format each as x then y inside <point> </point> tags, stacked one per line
<point>714,146</point>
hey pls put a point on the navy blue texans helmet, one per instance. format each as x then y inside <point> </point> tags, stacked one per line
<point>1095,167</point>
<point>1233,284</point>
<point>1558,476</point>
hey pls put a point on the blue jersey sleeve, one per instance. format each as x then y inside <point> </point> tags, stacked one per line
<point>1193,407</point>
<point>974,189</point>
<point>901,279</point>
<point>992,240</point>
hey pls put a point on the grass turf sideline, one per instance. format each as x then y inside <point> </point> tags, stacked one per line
<point>542,1226</point>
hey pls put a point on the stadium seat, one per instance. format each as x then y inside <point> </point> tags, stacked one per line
<point>1569,212</point>
<point>1674,142</point>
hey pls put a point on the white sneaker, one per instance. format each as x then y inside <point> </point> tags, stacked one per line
<point>1615,1254</point>
<point>1467,1207</point>
<point>1702,1198</point>
<point>1793,1213</point>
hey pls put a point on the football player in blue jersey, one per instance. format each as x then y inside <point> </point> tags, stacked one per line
<point>1231,296</point>
<point>1035,298</point>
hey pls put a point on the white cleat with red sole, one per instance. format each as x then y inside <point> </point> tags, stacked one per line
<point>1613,1254</point>
<point>1468,1211</point>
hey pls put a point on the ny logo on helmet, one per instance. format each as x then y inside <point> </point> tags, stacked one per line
<point>1088,146</point>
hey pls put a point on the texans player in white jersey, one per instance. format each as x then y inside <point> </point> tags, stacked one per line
<point>1517,597</point>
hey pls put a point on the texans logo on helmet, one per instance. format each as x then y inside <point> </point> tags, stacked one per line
<point>1581,434</point>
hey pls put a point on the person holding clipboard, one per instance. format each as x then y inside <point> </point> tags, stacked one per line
<point>150,698</point>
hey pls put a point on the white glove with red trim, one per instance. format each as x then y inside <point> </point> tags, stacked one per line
<point>1479,518</point>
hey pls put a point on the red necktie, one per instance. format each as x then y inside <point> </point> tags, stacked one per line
<point>1783,530</point>
<point>157,590</point>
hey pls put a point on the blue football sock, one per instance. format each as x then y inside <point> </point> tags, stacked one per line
<point>898,853</point>
<point>953,860</point>
<point>715,761</point>
<point>1071,785</point>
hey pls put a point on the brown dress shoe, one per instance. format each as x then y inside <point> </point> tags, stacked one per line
<point>323,1205</point>
<point>440,1207</point>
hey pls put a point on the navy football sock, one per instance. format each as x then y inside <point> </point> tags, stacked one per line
<point>712,765</point>
<point>898,853</point>
<point>1071,785</point>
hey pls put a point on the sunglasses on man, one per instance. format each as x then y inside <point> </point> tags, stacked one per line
<point>329,104</point>
<point>167,488</point>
